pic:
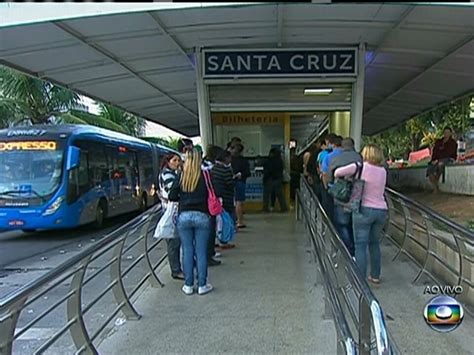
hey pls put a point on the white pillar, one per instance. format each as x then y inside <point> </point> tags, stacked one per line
<point>357,103</point>
<point>205,124</point>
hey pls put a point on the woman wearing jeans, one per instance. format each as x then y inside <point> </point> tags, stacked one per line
<point>169,171</point>
<point>193,222</point>
<point>370,220</point>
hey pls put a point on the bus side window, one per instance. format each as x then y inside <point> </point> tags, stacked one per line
<point>97,165</point>
<point>79,182</point>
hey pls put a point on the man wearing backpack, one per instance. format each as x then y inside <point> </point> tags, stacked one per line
<point>342,218</point>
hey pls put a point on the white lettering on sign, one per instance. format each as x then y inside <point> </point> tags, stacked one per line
<point>241,62</point>
<point>212,60</point>
<point>325,62</point>
<point>313,62</point>
<point>260,58</point>
<point>227,63</point>
<point>347,59</point>
<point>292,62</point>
<point>274,63</point>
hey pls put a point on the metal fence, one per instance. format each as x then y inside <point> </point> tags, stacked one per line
<point>119,265</point>
<point>358,317</point>
<point>443,249</point>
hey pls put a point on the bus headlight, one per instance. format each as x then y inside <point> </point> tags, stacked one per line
<point>54,206</point>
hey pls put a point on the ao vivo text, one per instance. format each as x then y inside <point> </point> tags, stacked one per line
<point>443,290</point>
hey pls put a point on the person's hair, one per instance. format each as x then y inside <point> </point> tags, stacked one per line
<point>191,171</point>
<point>212,151</point>
<point>222,155</point>
<point>447,128</point>
<point>184,145</point>
<point>239,147</point>
<point>166,160</point>
<point>335,140</point>
<point>373,154</point>
<point>348,143</point>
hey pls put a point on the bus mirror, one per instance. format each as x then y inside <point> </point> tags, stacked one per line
<point>72,157</point>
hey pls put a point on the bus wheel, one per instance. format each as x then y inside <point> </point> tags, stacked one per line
<point>99,215</point>
<point>143,203</point>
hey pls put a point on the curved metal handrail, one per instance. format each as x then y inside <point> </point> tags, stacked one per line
<point>12,305</point>
<point>369,307</point>
<point>457,227</point>
<point>425,232</point>
<point>51,275</point>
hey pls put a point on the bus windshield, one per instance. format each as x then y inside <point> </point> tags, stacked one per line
<point>30,174</point>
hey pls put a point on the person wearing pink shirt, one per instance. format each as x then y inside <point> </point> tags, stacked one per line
<point>370,220</point>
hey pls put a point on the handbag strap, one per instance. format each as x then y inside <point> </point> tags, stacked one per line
<point>359,166</point>
<point>207,179</point>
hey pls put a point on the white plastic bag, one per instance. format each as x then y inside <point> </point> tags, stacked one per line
<point>166,227</point>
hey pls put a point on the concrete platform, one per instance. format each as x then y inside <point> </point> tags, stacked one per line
<point>265,302</point>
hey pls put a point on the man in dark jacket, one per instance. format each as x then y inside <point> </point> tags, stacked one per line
<point>273,180</point>
<point>445,151</point>
<point>342,218</point>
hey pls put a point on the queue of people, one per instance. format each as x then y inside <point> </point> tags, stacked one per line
<point>359,220</point>
<point>195,185</point>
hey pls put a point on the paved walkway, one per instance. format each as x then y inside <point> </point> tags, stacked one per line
<point>264,301</point>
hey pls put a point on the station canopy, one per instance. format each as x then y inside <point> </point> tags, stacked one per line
<point>140,56</point>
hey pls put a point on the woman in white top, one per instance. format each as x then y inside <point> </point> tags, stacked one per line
<point>169,172</point>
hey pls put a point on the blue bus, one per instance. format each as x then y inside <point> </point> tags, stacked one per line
<point>63,176</point>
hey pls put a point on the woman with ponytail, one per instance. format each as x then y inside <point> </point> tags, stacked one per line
<point>193,221</point>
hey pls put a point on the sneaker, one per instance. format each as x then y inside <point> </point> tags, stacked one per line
<point>217,255</point>
<point>213,262</point>
<point>188,290</point>
<point>205,289</point>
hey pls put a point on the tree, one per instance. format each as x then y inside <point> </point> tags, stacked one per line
<point>132,124</point>
<point>32,101</point>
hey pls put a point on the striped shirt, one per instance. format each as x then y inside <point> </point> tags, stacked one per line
<point>223,179</point>
<point>165,181</point>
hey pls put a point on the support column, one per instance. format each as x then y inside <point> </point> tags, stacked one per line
<point>357,104</point>
<point>205,124</point>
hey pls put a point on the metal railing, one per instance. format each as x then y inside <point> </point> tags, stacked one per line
<point>63,292</point>
<point>443,249</point>
<point>358,317</point>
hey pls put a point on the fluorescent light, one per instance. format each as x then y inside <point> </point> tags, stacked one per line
<point>325,91</point>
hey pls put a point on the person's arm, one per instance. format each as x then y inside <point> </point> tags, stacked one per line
<point>435,154</point>
<point>454,151</point>
<point>175,190</point>
<point>325,171</point>
<point>343,171</point>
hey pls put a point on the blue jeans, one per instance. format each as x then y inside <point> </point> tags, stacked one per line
<point>368,225</point>
<point>343,223</point>
<point>194,229</point>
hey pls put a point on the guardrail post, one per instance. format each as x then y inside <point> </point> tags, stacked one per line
<point>462,251</point>
<point>120,295</point>
<point>364,327</point>
<point>78,329</point>
<point>429,232</point>
<point>154,280</point>
<point>407,230</point>
<point>8,321</point>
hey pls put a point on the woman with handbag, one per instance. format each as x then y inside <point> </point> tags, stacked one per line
<point>168,174</point>
<point>369,220</point>
<point>193,224</point>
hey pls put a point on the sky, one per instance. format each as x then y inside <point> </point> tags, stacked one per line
<point>152,129</point>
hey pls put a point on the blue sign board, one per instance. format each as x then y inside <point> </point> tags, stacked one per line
<point>280,63</point>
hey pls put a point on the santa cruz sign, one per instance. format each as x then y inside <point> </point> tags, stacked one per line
<point>278,63</point>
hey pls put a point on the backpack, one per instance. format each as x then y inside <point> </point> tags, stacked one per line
<point>225,227</point>
<point>342,189</point>
<point>214,204</point>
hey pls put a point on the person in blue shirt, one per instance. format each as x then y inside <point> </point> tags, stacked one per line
<point>334,143</point>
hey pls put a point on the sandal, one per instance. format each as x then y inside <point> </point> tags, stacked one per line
<point>374,281</point>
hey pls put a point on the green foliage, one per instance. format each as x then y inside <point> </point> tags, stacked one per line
<point>423,130</point>
<point>169,142</point>
<point>26,100</point>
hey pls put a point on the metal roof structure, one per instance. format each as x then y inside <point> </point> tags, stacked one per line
<point>418,55</point>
